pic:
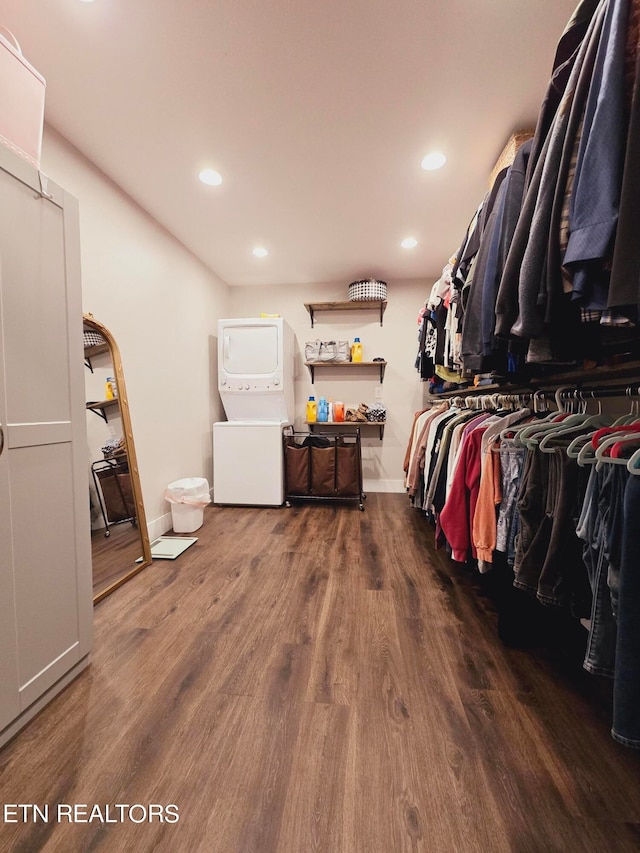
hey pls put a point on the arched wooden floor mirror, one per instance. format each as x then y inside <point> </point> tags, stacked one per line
<point>119,538</point>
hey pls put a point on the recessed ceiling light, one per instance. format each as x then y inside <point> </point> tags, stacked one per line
<point>409,243</point>
<point>210,177</point>
<point>260,252</point>
<point>433,161</point>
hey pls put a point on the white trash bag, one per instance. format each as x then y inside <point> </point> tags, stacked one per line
<point>188,498</point>
<point>193,491</point>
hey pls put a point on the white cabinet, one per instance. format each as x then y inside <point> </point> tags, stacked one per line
<point>46,615</point>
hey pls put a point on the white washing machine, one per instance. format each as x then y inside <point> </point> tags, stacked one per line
<point>248,463</point>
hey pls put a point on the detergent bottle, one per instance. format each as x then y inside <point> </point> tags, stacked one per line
<point>110,388</point>
<point>312,410</point>
<point>356,350</point>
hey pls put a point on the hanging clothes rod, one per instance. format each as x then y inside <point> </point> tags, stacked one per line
<point>564,394</point>
<point>567,393</point>
<point>493,401</point>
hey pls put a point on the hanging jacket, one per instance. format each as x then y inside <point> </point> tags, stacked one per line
<point>596,191</point>
<point>566,53</point>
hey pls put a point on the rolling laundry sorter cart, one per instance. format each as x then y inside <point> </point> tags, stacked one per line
<point>323,468</point>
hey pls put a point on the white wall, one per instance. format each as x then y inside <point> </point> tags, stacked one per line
<point>162,306</point>
<point>396,341</point>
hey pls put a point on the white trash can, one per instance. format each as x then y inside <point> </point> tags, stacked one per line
<point>188,498</point>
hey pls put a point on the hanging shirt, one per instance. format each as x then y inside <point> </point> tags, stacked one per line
<point>485,522</point>
<point>456,518</point>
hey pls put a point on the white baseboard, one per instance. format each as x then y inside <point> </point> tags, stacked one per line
<point>383,486</point>
<point>159,526</point>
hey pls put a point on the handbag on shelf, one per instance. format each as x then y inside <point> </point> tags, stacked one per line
<point>327,351</point>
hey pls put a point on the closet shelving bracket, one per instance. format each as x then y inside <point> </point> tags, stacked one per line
<point>100,408</point>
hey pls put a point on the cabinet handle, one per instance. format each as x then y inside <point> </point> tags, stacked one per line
<point>1,439</point>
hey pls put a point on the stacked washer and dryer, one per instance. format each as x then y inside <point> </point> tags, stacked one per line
<point>255,381</point>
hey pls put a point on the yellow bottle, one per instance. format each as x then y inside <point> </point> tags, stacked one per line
<point>312,410</point>
<point>356,350</point>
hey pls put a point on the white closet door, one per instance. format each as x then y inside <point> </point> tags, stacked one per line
<point>44,435</point>
<point>9,692</point>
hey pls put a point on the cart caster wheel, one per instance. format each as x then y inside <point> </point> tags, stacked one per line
<point>108,533</point>
<point>361,507</point>
<point>363,496</point>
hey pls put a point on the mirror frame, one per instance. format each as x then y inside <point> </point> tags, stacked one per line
<point>90,321</point>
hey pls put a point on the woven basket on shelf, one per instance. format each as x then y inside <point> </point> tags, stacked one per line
<point>92,339</point>
<point>367,289</point>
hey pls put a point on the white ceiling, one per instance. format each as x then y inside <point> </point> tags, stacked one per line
<point>316,112</point>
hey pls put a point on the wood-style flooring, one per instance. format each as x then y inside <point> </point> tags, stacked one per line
<point>115,555</point>
<point>318,679</point>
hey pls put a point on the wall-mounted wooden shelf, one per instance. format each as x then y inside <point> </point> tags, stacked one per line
<point>603,372</point>
<point>92,352</point>
<point>313,425</point>
<point>100,407</point>
<point>312,365</point>
<point>368,305</point>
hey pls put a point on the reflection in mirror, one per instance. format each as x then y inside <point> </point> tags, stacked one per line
<point>119,535</point>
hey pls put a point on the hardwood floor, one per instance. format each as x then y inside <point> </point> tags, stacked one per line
<point>318,679</point>
<point>114,555</point>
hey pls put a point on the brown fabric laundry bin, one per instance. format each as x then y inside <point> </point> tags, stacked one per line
<point>323,471</point>
<point>347,469</point>
<point>117,493</point>
<point>323,468</point>
<point>298,470</point>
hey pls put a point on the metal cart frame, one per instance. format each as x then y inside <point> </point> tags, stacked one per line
<point>115,467</point>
